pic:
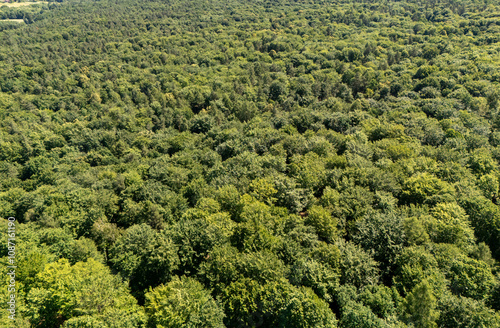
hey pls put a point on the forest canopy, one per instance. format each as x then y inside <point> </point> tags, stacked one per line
<point>251,163</point>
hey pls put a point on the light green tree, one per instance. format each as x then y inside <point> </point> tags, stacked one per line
<point>63,292</point>
<point>182,303</point>
<point>420,306</point>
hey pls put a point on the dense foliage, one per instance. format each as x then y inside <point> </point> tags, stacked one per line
<point>253,163</point>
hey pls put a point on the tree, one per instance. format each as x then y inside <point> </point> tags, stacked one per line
<point>195,236</point>
<point>62,292</point>
<point>321,278</point>
<point>420,306</point>
<point>277,90</point>
<point>456,311</point>
<point>144,257</point>
<point>183,302</point>
<point>323,222</point>
<point>471,278</point>
<point>370,308</point>
<point>414,265</point>
<point>485,219</point>
<point>263,190</point>
<point>450,224</point>
<point>226,265</point>
<point>426,188</point>
<point>383,234</point>
<point>276,304</point>
<point>83,322</point>
<point>357,266</point>
<point>356,315</point>
<point>481,163</point>
<point>415,231</point>
<point>382,300</point>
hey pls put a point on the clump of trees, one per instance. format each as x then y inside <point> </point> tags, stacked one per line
<point>252,164</point>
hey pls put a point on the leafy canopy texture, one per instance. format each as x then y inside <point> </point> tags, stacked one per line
<point>86,290</point>
<point>251,163</point>
<point>183,302</point>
